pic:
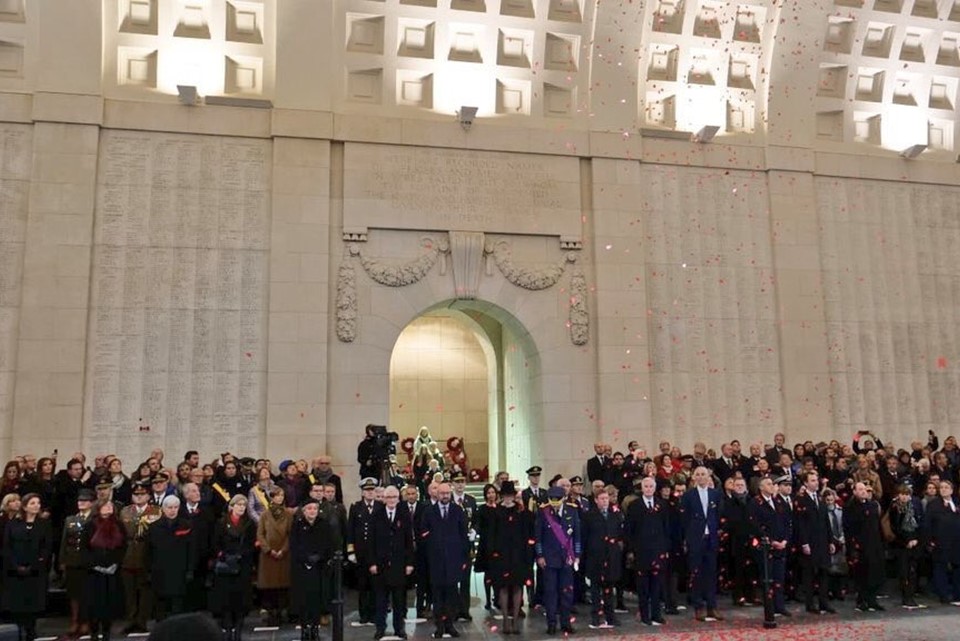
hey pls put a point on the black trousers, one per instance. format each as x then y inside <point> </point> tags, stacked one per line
<point>365,595</point>
<point>814,579</point>
<point>649,590</point>
<point>396,595</point>
<point>446,605</point>
<point>166,606</point>
<point>743,576</point>
<point>464,589</point>
<point>601,601</point>
<point>907,561</point>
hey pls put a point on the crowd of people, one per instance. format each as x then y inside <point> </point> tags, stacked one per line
<point>678,530</point>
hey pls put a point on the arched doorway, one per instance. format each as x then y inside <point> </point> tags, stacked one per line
<point>468,369</point>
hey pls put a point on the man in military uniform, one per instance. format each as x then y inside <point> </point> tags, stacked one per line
<point>160,488</point>
<point>771,521</point>
<point>72,561</point>
<point>557,534</point>
<point>469,506</point>
<point>360,546</point>
<point>105,495</point>
<point>136,518</point>
<point>532,498</point>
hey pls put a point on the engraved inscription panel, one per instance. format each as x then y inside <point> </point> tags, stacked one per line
<point>177,340</point>
<point>16,152</point>
<point>391,187</point>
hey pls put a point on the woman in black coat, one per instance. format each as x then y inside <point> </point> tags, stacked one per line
<point>481,522</point>
<point>234,546</point>
<point>311,547</point>
<point>169,558</point>
<point>26,553</point>
<point>106,545</point>
<point>511,554</point>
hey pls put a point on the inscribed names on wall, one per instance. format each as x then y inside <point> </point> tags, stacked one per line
<point>16,153</point>
<point>178,322</point>
<point>712,311</point>
<point>891,285</point>
<point>391,187</point>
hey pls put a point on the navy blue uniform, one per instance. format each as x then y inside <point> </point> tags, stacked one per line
<point>772,519</point>
<point>558,545</point>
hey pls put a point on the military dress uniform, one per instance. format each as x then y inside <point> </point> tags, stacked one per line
<point>558,546</point>
<point>136,577</point>
<point>469,506</point>
<point>72,559</point>
<point>533,498</point>
<point>360,545</point>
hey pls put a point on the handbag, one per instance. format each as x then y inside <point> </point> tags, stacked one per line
<point>227,565</point>
<point>886,528</point>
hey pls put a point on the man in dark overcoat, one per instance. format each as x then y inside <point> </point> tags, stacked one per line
<point>444,535</point>
<point>648,544</point>
<point>393,557</point>
<point>602,558</point>
<point>814,548</point>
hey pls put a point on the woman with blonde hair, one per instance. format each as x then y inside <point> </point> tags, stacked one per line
<point>273,538</point>
<point>234,546</point>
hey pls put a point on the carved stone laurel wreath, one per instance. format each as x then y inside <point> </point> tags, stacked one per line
<point>410,272</point>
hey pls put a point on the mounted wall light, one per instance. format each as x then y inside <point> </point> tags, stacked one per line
<point>465,116</point>
<point>187,94</point>
<point>706,134</point>
<point>913,151</point>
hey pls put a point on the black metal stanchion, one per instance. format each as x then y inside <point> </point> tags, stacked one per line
<point>336,604</point>
<point>769,617</point>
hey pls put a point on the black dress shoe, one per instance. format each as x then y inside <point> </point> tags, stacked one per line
<point>438,634</point>
<point>567,629</point>
<point>552,629</point>
<point>813,611</point>
<point>828,609</point>
<point>671,611</point>
<point>465,617</point>
<point>379,634</point>
<point>452,631</point>
<point>784,613</point>
<point>400,635</point>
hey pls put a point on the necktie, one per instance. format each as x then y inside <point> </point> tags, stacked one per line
<point>836,522</point>
<point>443,511</point>
<point>816,504</point>
<point>649,504</point>
<point>604,515</point>
<point>390,515</point>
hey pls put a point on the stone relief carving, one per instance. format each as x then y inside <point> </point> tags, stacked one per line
<point>579,314</point>
<point>403,274</point>
<point>532,279</point>
<point>466,249</point>
<point>347,314</point>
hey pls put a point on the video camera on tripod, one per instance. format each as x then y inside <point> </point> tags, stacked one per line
<point>377,452</point>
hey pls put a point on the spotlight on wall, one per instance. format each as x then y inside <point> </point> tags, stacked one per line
<point>187,94</point>
<point>913,151</point>
<point>706,134</point>
<point>466,115</point>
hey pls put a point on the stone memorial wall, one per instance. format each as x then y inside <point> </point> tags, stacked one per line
<point>177,336</point>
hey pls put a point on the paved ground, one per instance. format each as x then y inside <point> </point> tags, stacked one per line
<point>741,624</point>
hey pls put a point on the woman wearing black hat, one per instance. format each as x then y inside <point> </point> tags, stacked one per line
<point>234,546</point>
<point>511,554</point>
<point>26,553</point>
<point>106,546</point>
<point>484,516</point>
<point>311,547</point>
